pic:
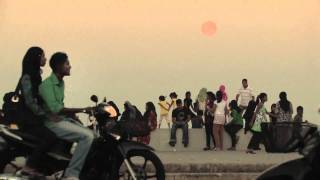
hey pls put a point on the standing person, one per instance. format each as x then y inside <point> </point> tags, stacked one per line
<point>201,100</point>
<point>164,111</point>
<point>222,88</point>
<point>260,115</point>
<point>180,118</point>
<point>247,116</point>
<point>52,92</point>
<point>209,117</point>
<point>299,116</point>
<point>188,103</point>
<point>32,114</point>
<point>173,104</point>
<point>284,108</point>
<point>174,97</point>
<point>220,111</point>
<point>235,125</point>
<point>151,117</point>
<point>245,94</point>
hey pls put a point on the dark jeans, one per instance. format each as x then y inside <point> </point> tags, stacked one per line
<point>255,140</point>
<point>232,130</point>
<point>46,141</point>
<point>185,136</point>
<point>209,131</point>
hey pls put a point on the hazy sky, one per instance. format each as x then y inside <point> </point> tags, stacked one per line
<point>136,50</point>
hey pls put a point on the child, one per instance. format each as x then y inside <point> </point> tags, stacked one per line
<point>197,121</point>
<point>235,125</point>
<point>273,113</point>
<point>299,117</point>
<point>174,97</point>
<point>164,111</point>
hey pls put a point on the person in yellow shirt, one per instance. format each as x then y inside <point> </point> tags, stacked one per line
<point>164,110</point>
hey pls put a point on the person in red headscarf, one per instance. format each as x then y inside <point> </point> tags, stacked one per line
<point>222,88</point>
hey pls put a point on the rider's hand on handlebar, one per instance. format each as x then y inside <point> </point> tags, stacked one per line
<point>88,110</point>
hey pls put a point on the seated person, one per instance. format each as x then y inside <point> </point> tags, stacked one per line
<point>197,121</point>
<point>299,116</point>
<point>52,92</point>
<point>180,119</point>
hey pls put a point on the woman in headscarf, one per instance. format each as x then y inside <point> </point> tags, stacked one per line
<point>201,100</point>
<point>222,88</point>
<point>129,112</point>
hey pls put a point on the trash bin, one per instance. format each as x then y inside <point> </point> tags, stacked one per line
<point>285,136</point>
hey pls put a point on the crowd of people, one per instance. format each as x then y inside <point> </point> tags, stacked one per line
<point>216,113</point>
<point>45,114</point>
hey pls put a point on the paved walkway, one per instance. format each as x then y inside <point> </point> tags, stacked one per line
<point>222,161</point>
<point>212,165</point>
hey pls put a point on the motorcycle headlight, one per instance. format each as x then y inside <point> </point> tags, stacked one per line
<point>111,111</point>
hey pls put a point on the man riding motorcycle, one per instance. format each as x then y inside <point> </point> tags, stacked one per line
<point>52,92</point>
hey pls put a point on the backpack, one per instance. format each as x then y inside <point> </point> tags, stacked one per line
<point>12,104</point>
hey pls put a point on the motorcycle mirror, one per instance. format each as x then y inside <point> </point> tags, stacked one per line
<point>94,98</point>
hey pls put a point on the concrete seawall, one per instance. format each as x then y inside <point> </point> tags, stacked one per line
<point>197,140</point>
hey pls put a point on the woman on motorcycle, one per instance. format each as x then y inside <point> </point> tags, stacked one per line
<point>31,114</point>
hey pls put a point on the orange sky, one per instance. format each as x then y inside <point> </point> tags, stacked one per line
<point>152,47</point>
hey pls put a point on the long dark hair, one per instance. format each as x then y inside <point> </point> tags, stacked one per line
<point>211,96</point>
<point>260,97</point>
<point>219,96</point>
<point>284,103</point>
<point>31,66</point>
<point>150,108</point>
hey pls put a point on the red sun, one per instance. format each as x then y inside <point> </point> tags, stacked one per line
<point>209,28</point>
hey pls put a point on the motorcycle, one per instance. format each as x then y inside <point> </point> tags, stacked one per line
<point>112,155</point>
<point>305,168</point>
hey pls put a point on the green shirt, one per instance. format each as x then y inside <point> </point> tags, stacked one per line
<point>236,118</point>
<point>52,92</point>
<point>260,117</point>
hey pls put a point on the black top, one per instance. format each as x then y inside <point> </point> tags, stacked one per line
<point>187,102</point>
<point>181,114</point>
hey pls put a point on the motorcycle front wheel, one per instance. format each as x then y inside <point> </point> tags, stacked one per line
<point>145,164</point>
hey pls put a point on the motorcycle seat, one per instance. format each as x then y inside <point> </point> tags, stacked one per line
<point>60,151</point>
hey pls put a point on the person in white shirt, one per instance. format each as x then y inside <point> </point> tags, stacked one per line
<point>245,94</point>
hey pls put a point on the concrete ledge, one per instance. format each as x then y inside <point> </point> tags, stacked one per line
<point>216,168</point>
<point>211,176</point>
<point>197,140</point>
